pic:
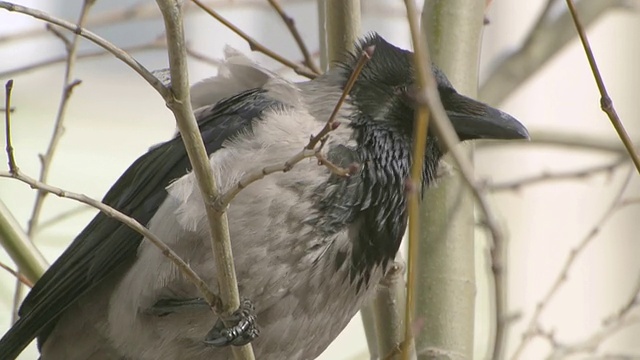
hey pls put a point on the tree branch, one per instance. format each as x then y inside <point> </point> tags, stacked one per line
<point>515,185</point>
<point>533,326</point>
<point>310,150</point>
<point>58,127</point>
<point>605,100</point>
<point>421,61</point>
<point>255,45</point>
<point>117,52</point>
<point>291,25</point>
<point>21,278</point>
<point>546,38</point>
<point>180,104</point>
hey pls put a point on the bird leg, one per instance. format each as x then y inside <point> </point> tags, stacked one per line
<point>243,332</point>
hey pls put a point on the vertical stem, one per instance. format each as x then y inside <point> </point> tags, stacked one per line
<point>342,19</point>
<point>180,105</point>
<point>445,298</point>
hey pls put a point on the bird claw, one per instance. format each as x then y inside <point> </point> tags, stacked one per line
<point>240,334</point>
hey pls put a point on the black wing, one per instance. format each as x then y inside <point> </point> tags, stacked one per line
<point>106,244</point>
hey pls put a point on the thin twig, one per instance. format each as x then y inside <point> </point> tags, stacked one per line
<point>546,39</point>
<point>515,185</point>
<point>255,45</point>
<point>12,238</point>
<point>7,118</point>
<point>605,100</point>
<point>329,126</point>
<point>421,60</point>
<point>630,304</point>
<point>68,85</point>
<point>534,323</point>
<point>116,51</point>
<point>309,150</point>
<point>291,25</point>
<point>21,278</point>
<point>71,47</point>
<point>154,45</point>
<point>593,341</point>
<point>144,10</point>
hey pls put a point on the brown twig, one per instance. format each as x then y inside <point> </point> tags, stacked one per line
<point>534,322</point>
<point>7,118</point>
<point>329,126</point>
<point>515,185</point>
<point>68,85</point>
<point>21,278</point>
<point>310,150</point>
<point>58,129</point>
<point>290,22</point>
<point>605,100</point>
<point>420,58</point>
<point>255,45</point>
<point>593,341</point>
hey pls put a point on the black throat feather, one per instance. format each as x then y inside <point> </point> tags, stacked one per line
<point>372,204</point>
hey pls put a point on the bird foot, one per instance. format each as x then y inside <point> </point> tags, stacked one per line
<point>243,332</point>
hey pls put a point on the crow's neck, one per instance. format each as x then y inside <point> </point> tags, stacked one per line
<point>382,218</point>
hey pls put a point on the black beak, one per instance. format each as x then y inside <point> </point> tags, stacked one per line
<point>475,120</point>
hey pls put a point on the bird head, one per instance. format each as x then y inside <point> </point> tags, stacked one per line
<point>385,93</point>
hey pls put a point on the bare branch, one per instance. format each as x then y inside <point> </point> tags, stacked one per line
<point>256,46</point>
<point>143,10</point>
<point>593,341</point>
<point>68,85</point>
<point>290,22</point>
<point>117,52</point>
<point>21,278</point>
<point>13,239</point>
<point>7,117</point>
<point>515,185</point>
<point>605,100</point>
<point>533,326</point>
<point>547,37</point>
<point>180,105</point>
<point>154,45</point>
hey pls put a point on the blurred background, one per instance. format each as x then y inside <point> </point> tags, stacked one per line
<point>114,116</point>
